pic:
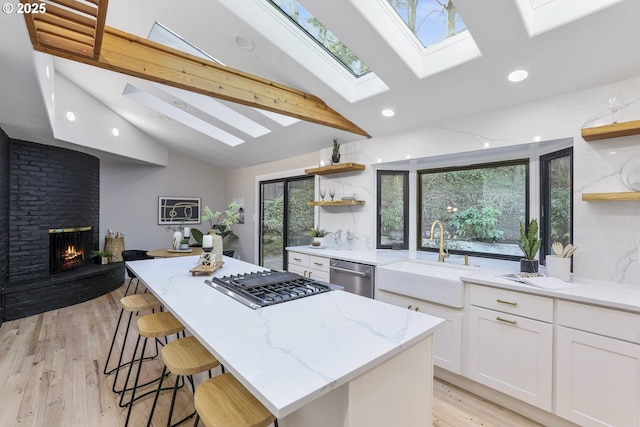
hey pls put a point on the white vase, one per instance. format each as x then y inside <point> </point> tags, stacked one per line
<point>177,238</point>
<point>217,245</point>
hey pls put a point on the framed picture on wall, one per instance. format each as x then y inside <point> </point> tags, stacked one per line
<point>178,210</point>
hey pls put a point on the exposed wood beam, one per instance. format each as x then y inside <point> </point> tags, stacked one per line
<point>66,35</point>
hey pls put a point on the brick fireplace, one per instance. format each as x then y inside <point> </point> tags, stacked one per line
<point>49,189</point>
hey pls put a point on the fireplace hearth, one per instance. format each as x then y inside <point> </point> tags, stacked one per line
<point>68,248</point>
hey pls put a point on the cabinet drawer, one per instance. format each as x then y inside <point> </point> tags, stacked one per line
<point>298,259</point>
<point>318,275</point>
<point>517,303</point>
<point>603,321</point>
<point>319,263</point>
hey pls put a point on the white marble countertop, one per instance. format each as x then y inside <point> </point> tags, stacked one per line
<point>607,294</point>
<point>379,257</point>
<point>287,354</point>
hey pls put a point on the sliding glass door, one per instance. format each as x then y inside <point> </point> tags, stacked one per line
<point>284,218</point>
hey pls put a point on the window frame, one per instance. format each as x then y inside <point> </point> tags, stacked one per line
<point>526,162</point>
<point>545,200</point>
<point>405,232</point>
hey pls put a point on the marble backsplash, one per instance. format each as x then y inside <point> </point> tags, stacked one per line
<point>607,233</point>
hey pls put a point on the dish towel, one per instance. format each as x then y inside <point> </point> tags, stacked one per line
<point>549,283</point>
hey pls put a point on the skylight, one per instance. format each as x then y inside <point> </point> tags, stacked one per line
<point>432,21</point>
<point>316,30</point>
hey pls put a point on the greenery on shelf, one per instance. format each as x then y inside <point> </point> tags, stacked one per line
<point>529,241</point>
<point>317,232</point>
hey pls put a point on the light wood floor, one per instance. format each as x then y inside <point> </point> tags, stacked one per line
<point>51,375</point>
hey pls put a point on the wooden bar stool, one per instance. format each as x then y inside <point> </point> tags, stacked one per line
<point>183,357</point>
<point>223,402</point>
<point>134,303</point>
<point>151,326</point>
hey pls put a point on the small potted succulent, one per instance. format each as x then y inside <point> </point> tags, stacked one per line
<point>335,155</point>
<point>318,235</point>
<point>104,256</point>
<point>529,244</point>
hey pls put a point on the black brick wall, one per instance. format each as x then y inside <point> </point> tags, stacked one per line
<point>4,218</point>
<point>49,187</point>
<point>46,187</point>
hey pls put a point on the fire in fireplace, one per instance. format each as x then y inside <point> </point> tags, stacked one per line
<point>67,247</point>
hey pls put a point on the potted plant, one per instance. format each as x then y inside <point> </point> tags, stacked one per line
<point>219,222</point>
<point>318,235</point>
<point>184,244</point>
<point>335,155</point>
<point>103,255</point>
<point>529,244</point>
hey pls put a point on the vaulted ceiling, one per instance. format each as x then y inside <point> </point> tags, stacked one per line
<point>565,45</point>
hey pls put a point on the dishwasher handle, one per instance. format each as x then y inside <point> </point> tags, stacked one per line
<point>355,273</point>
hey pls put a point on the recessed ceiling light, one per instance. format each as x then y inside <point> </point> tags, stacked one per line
<point>244,42</point>
<point>71,116</point>
<point>518,76</point>
<point>115,131</point>
<point>537,138</point>
<point>387,112</point>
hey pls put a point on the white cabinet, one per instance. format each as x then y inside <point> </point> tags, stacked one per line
<point>511,343</point>
<point>597,366</point>
<point>313,266</point>
<point>447,345</point>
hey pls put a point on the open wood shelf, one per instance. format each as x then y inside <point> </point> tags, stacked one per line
<point>604,197</point>
<point>331,169</point>
<point>613,130</point>
<point>337,203</point>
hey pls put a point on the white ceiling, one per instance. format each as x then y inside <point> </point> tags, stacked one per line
<point>566,45</point>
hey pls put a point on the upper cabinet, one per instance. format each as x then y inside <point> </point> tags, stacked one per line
<point>337,168</point>
<point>613,130</point>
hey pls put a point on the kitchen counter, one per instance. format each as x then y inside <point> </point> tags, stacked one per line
<point>606,294</point>
<point>328,355</point>
<point>380,257</point>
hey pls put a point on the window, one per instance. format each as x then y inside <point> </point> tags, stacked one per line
<point>316,30</point>
<point>480,206</point>
<point>431,21</point>
<point>393,215</point>
<point>556,209</point>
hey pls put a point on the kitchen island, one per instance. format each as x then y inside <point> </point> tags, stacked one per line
<point>332,359</point>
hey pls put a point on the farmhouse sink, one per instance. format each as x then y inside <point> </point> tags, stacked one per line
<point>435,282</point>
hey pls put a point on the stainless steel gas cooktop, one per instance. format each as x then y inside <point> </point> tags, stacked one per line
<point>264,288</point>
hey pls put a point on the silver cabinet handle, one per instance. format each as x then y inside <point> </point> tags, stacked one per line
<point>346,270</point>
<point>501,301</point>
<point>319,263</point>
<point>297,259</point>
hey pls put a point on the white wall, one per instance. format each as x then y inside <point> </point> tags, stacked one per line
<point>129,197</point>
<point>607,233</point>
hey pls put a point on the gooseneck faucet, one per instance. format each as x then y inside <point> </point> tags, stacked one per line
<point>442,254</point>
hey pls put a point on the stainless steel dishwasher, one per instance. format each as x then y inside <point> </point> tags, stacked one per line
<point>354,277</point>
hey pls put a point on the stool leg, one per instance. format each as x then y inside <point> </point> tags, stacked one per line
<point>195,423</point>
<point>155,399</point>
<point>113,341</point>
<point>135,383</point>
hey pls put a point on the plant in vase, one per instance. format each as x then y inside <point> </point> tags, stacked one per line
<point>335,155</point>
<point>529,244</point>
<point>318,235</point>
<point>177,235</point>
<point>219,226</point>
<point>104,256</point>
